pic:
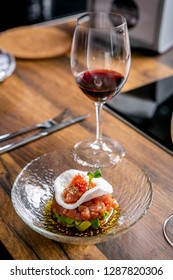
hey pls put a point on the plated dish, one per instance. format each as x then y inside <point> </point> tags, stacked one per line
<point>83,204</point>
<point>33,195</point>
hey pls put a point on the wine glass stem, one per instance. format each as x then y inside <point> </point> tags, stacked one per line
<point>99,107</point>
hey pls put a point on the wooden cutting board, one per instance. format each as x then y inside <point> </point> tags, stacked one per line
<point>28,42</point>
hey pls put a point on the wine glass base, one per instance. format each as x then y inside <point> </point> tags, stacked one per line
<point>168,230</point>
<point>95,154</point>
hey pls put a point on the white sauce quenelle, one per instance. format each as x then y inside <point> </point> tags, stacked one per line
<point>63,180</point>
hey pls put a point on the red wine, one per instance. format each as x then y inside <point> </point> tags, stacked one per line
<point>100,85</point>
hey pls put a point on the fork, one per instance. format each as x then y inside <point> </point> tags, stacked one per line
<point>47,124</point>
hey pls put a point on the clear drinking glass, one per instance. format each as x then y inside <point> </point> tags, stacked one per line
<point>168,224</point>
<point>100,63</point>
<point>168,229</point>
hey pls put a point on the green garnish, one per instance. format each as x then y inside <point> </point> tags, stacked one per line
<point>95,223</point>
<point>83,225</point>
<point>96,174</point>
<point>67,220</point>
<point>56,216</point>
<point>105,215</point>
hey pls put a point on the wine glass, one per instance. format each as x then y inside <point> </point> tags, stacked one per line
<point>100,63</point>
<point>168,224</point>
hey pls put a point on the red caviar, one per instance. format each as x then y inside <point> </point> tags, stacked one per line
<point>77,187</point>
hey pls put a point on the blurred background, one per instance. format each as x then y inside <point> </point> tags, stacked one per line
<point>150,22</point>
<point>25,12</point>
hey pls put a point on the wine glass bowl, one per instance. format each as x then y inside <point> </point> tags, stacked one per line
<point>100,63</point>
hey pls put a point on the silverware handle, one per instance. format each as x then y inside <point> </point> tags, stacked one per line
<point>20,143</point>
<point>59,118</point>
<point>40,134</point>
<point>17,133</point>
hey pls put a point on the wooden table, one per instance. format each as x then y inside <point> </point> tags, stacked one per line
<point>38,90</point>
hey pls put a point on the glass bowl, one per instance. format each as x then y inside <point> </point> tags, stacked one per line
<point>33,190</point>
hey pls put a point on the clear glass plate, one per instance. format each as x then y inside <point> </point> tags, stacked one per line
<point>33,189</point>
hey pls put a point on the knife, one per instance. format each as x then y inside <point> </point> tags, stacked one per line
<point>40,134</point>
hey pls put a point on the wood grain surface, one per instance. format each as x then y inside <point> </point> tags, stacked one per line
<point>40,89</point>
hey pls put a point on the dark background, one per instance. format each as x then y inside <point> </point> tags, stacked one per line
<point>15,13</point>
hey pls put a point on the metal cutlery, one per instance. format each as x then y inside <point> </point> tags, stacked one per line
<point>40,134</point>
<point>49,123</point>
